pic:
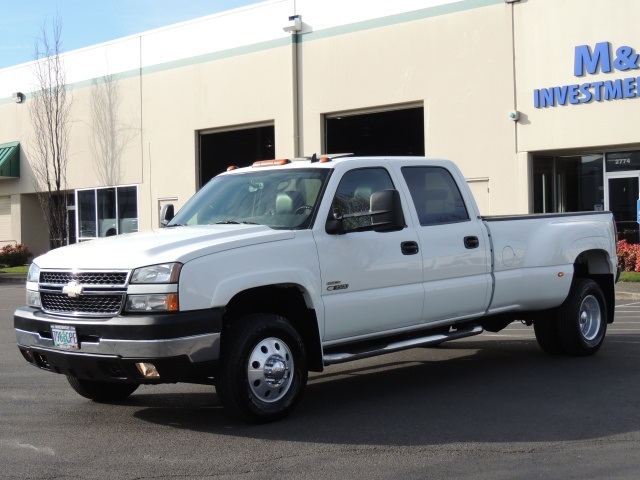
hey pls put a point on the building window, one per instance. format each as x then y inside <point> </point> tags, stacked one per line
<point>568,184</point>
<point>103,212</point>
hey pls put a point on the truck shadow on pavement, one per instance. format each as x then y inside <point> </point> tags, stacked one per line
<point>470,391</point>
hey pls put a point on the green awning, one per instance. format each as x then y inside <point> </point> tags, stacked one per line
<point>10,160</point>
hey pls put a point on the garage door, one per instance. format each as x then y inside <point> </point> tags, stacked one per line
<point>5,220</point>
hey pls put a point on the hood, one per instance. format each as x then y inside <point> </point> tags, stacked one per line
<point>174,244</point>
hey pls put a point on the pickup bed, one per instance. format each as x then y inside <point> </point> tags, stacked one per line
<point>289,266</point>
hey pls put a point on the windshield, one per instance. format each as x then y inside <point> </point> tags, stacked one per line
<point>281,199</point>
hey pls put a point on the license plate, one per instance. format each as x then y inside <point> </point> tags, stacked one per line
<point>64,336</point>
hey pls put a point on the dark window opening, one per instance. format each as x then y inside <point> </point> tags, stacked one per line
<point>397,132</point>
<point>568,184</point>
<point>235,147</point>
<point>623,198</point>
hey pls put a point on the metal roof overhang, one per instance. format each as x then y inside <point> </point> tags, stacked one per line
<point>10,160</point>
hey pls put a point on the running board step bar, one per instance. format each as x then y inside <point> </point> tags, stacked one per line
<point>429,340</point>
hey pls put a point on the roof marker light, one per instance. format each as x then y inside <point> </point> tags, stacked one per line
<point>270,163</point>
<point>231,167</point>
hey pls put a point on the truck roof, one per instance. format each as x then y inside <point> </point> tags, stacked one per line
<point>327,161</point>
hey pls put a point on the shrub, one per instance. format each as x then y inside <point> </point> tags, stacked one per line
<point>14,255</point>
<point>628,256</point>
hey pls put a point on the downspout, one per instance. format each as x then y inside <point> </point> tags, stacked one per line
<point>296,94</point>
<point>294,27</point>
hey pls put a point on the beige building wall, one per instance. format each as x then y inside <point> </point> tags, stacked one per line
<point>546,34</point>
<point>235,92</point>
<point>468,63</point>
<point>457,66</point>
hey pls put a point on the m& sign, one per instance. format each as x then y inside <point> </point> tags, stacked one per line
<point>602,58</point>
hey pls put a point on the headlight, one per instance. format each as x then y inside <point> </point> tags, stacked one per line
<point>154,302</point>
<point>33,295</point>
<point>34,273</point>
<point>163,273</point>
<point>141,301</point>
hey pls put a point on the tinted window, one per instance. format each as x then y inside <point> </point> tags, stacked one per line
<point>435,195</point>
<point>354,194</point>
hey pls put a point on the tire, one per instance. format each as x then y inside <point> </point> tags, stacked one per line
<point>263,370</point>
<point>547,333</point>
<point>582,319</point>
<point>101,391</point>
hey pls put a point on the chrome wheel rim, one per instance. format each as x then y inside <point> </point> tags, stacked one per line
<point>590,318</point>
<point>269,370</point>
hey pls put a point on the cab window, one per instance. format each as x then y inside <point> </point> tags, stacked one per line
<point>354,194</point>
<point>435,195</point>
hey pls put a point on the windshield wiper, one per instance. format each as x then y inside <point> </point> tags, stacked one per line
<point>236,222</point>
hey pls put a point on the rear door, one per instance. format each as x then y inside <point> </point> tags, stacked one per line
<point>454,247</point>
<point>371,281</point>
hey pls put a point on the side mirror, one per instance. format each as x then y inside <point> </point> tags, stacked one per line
<point>167,214</point>
<point>386,211</point>
<point>335,224</point>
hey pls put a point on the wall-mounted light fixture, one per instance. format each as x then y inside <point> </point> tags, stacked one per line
<point>18,97</point>
<point>294,25</point>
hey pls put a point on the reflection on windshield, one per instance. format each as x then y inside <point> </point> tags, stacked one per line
<point>281,199</point>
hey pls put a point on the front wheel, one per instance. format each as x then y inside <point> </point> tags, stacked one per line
<point>582,318</point>
<point>263,369</point>
<point>101,391</point>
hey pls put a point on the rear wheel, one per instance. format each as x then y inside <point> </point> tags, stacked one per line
<point>101,391</point>
<point>547,333</point>
<point>263,369</point>
<point>582,318</point>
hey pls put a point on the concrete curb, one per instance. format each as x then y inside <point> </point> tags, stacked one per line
<point>12,278</point>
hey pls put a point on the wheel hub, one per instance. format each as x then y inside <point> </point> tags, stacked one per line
<point>590,318</point>
<point>275,369</point>
<point>269,370</point>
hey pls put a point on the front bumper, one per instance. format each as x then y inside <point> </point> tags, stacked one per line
<point>183,346</point>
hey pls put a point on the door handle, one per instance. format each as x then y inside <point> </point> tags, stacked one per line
<point>409,248</point>
<point>471,242</point>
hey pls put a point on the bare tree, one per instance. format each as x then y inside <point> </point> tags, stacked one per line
<point>50,117</point>
<point>110,135</point>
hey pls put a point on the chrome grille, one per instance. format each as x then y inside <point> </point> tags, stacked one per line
<point>84,278</point>
<point>84,304</point>
<point>102,294</point>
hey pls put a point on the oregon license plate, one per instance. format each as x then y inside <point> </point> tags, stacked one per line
<point>64,336</point>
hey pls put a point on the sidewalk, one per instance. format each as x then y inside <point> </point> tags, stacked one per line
<point>624,290</point>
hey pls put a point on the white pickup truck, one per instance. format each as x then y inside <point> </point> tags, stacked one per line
<point>289,266</point>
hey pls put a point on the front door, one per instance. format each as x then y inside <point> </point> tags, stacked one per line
<point>623,199</point>
<point>371,281</point>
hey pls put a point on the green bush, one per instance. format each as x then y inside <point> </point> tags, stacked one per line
<point>14,255</point>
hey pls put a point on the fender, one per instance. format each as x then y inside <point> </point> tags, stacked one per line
<point>539,255</point>
<point>212,280</point>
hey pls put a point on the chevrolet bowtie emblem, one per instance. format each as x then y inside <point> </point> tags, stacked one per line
<point>72,289</point>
